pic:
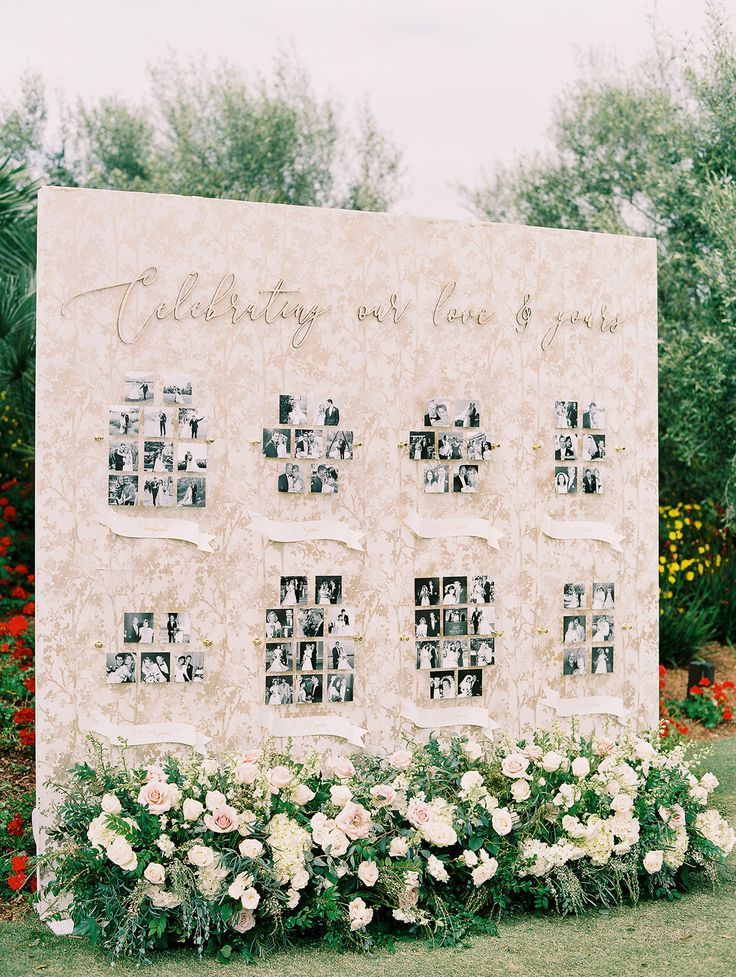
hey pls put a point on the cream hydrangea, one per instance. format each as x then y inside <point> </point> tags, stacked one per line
<point>288,842</point>
<point>716,829</point>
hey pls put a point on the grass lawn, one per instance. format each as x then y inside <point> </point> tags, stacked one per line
<point>695,937</point>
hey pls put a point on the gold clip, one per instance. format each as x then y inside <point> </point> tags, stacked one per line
<point>357,444</point>
<point>358,637</point>
<point>542,630</point>
<point>497,634</point>
<point>495,444</point>
<point>256,441</point>
<point>403,444</point>
<point>404,637</point>
<point>620,447</point>
<point>536,446</point>
<point>206,642</point>
<point>257,641</point>
<point>98,644</point>
<point>627,627</point>
<point>212,441</point>
<point>99,437</point>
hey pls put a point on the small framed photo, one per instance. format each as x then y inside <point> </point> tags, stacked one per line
<point>483,651</point>
<point>158,422</point>
<point>120,668</point>
<point>466,413</point>
<point>309,656</point>
<point>604,596</point>
<point>339,445</point>
<point>592,481</point>
<point>566,413</point>
<point>309,689</point>
<point>279,622</point>
<point>442,685</point>
<point>340,687</point>
<point>324,480</point>
<point>189,666</point>
<point>603,630</point>
<point>139,388</point>
<point>290,479</point>
<point>437,479</point>
<point>310,622</point>
<point>422,445</point>
<point>478,448</point>
<point>455,652</point>
<point>426,623</point>
<point>293,590</point>
<point>342,620</point>
<point>469,683</point>
<point>326,412</point>
<point>428,654</point>
<point>450,447</point>
<point>566,447</point>
<point>455,620</point>
<point>155,667</point>
<point>601,660</point>
<point>191,492</point>
<point>158,456</point>
<point>437,412</point>
<point>279,657</point>
<point>340,654</point>
<point>176,628</point>
<point>482,619</point>
<point>594,447</point>
<point>178,390</point>
<point>454,590</point>
<point>293,409</point>
<point>123,456</point>
<point>308,443</point>
<point>465,479</point>
<point>279,690</point>
<point>566,480</point>
<point>276,442</point>
<point>594,416</point>
<point>482,589</point>
<point>158,491</point>
<point>192,458</point>
<point>426,591</point>
<point>122,490</point>
<point>138,627</point>
<point>573,596</point>
<point>327,589</point>
<point>192,424</point>
<point>573,628</point>
<point>124,422</point>
<point>573,661</point>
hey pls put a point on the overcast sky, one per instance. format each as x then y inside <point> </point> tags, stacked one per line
<point>459,83</point>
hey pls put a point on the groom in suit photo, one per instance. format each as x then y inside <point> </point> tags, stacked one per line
<point>332,415</point>
<point>318,473</point>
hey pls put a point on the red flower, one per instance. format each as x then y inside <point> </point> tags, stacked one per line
<point>696,690</point>
<point>9,513</point>
<point>727,714</point>
<point>18,593</point>
<point>17,625</point>
<point>15,827</point>
<point>6,540</point>
<point>728,684</point>
<point>27,737</point>
<point>30,683</point>
<point>21,569</point>
<point>682,730</point>
<point>16,882</point>
<point>19,863</point>
<point>705,681</point>
<point>29,609</point>
<point>662,671</point>
<point>31,578</point>
<point>23,716</point>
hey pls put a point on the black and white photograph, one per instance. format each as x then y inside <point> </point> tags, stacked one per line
<point>592,481</point>
<point>158,422</point>
<point>482,589</point>
<point>158,456</point>
<point>176,628</point>
<point>308,443</point>
<point>191,492</point>
<point>566,447</point>
<point>120,668</point>
<point>293,409</point>
<point>469,683</point>
<point>279,656</point>
<point>437,413</point>
<point>123,456</point>
<point>594,416</point>
<point>324,480</point>
<point>573,629</point>
<point>482,619</point>
<point>178,390</point>
<point>422,445</point>
<point>293,590</point>
<point>482,651</point>
<point>573,596</point>
<point>122,490</point>
<point>601,660</point>
<point>125,422</point>
<point>339,445</point>
<point>309,688</point>
<point>426,591</point>
<point>455,651</point>
<point>155,667</point>
<point>465,479</point>
<point>340,687</point>
<point>192,457</point>
<point>189,666</point>
<point>603,628</point>
<point>428,654</point>
<point>309,656</point>
<point>279,622</point>
<point>327,589</point>
<point>158,491</point>
<point>276,442</point>
<point>566,413</point>
<point>341,620</point>
<point>310,622</point>
<point>437,479</point>
<point>454,590</point>
<point>604,596</point>
<point>426,623</point>
<point>466,413</point>
<point>442,685</point>
<point>478,448</point>
<point>139,388</point>
<point>326,412</point>
<point>192,423</point>
<point>566,480</point>
<point>573,661</point>
<point>279,690</point>
<point>138,627</point>
<point>594,447</point>
<point>291,479</point>
<point>340,654</point>
<point>450,447</point>
<point>455,621</point>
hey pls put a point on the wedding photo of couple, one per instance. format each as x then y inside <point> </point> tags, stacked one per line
<point>594,447</point>
<point>155,667</point>
<point>566,480</point>
<point>279,623</point>
<point>122,490</point>
<point>192,458</point>
<point>138,626</point>
<point>573,595</point>
<point>139,387</point>
<point>293,590</point>
<point>437,413</point>
<point>177,628</point>
<point>566,447</point>
<point>573,629</point>
<point>189,667</point>
<point>158,456</point>
<point>279,657</point>
<point>479,448</point>
<point>158,491</point>
<point>328,589</point>
<point>341,655</point>
<point>276,442</point>
<point>308,443</point>
<point>566,413</point>
<point>123,456</point>
<point>324,480</point>
<point>573,661</point>
<point>464,684</point>
<point>192,423</point>
<point>290,478</point>
<point>177,390</point>
<point>124,421</point>
<point>278,690</point>
<point>191,492</point>
<point>120,668</point>
<point>592,481</point>
<point>292,409</point>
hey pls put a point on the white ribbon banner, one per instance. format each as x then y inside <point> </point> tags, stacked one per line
<point>311,726</point>
<point>589,705</point>
<point>137,527</point>
<point>142,734</point>
<point>425,718</point>
<point>445,528</point>
<point>300,532</point>
<point>573,529</point>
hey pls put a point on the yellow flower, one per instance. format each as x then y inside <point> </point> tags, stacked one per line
<point>689,575</point>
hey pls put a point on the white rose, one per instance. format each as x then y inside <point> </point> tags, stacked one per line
<point>613,787</point>
<point>473,750</point>
<point>192,809</point>
<point>533,751</point>
<point>111,805</point>
<point>155,873</point>
<point>293,898</point>
<point>398,847</point>
<point>98,833</point>
<point>439,833</point>
<point>603,745</point>
<point>622,803</point>
<point>336,841</point>
<point>502,821</point>
<point>708,782</point>
<point>250,899</point>
<point>359,914</point>
<point>485,871</point>
<point>520,790</point>
<point>340,795</point>
<point>470,858</point>
<point>368,873</point>
<point>250,848</point>
<point>121,853</point>
<point>158,796</point>
<point>437,869</point>
<point>384,794</point>
<point>470,780</point>
<point>201,856</point>
<point>246,773</point>
<point>580,767</point>
<point>514,765</point>
<point>643,750</point>
<point>300,879</point>
<point>551,761</point>
<point>301,794</point>
<point>215,798</point>
<point>401,759</point>
<point>278,778</point>
<point>341,767</point>
<point>699,794</point>
<point>653,861</point>
<point>239,884</point>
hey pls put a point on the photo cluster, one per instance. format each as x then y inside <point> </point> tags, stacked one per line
<point>455,453</point>
<point>588,629</point>
<point>157,452</point>
<point>314,449</point>
<point>155,665</point>
<point>454,628</point>
<point>310,644</point>
<point>580,447</point>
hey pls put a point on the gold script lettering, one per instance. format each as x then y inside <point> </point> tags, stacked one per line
<point>381,313</point>
<point>481,316</point>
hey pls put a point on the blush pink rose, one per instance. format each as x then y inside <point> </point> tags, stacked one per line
<point>341,767</point>
<point>514,765</point>
<point>154,772</point>
<point>158,796</point>
<point>384,794</point>
<point>246,773</point>
<point>242,921</point>
<point>278,778</point>
<point>401,759</point>
<point>250,756</point>
<point>222,819</point>
<point>354,820</point>
<point>418,813</point>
